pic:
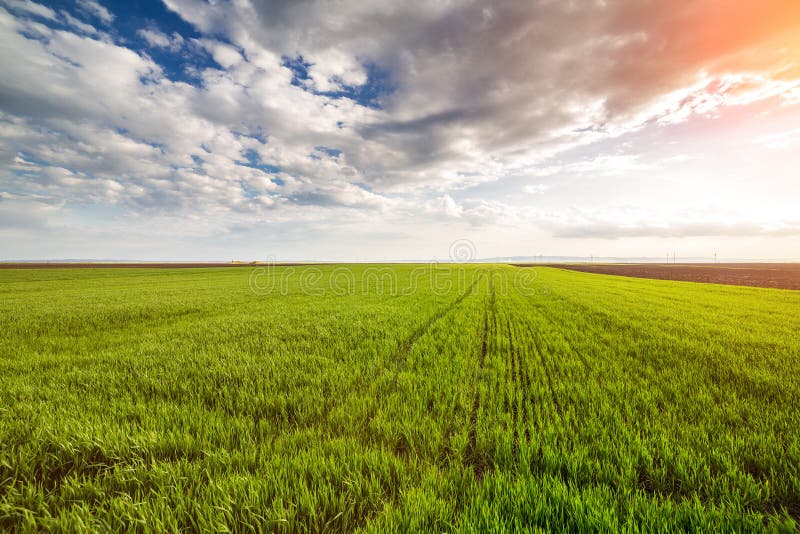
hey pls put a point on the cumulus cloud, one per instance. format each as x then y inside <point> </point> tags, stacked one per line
<point>474,212</point>
<point>381,107</point>
<point>100,108</point>
<point>77,24</point>
<point>29,7</point>
<point>96,9</point>
<point>158,39</point>
<point>517,81</point>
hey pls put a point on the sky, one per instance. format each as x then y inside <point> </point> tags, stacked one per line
<point>373,131</point>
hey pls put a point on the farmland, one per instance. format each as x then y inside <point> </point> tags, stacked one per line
<point>375,398</point>
<point>774,275</point>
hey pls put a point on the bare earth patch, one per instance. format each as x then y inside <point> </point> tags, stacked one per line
<point>774,275</point>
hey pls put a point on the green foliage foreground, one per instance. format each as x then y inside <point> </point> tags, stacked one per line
<point>208,399</point>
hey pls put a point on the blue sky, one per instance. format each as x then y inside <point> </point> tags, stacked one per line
<point>189,130</point>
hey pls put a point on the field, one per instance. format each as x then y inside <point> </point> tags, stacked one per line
<point>403,398</point>
<point>775,275</point>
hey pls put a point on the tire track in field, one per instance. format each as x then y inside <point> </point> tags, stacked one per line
<point>404,348</point>
<point>547,374</point>
<point>446,452</point>
<point>514,386</point>
<point>557,328</point>
<point>659,491</point>
<point>524,378</point>
<point>527,399</point>
<point>471,457</point>
<point>399,357</point>
<point>529,405</point>
<point>401,354</point>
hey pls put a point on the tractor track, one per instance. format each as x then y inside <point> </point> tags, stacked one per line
<point>515,384</point>
<point>471,456</point>
<point>559,410</point>
<point>400,355</point>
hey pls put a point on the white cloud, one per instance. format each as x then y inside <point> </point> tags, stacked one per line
<point>158,39</point>
<point>80,26</point>
<point>95,8</point>
<point>31,8</point>
<point>226,55</point>
<point>154,37</point>
<point>624,222</point>
<point>445,207</point>
<point>535,189</point>
<point>780,140</point>
<point>607,165</point>
<point>470,96</point>
<point>470,91</point>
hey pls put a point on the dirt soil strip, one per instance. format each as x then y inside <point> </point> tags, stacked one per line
<point>771,275</point>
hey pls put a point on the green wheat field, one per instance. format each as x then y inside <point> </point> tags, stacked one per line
<point>464,398</point>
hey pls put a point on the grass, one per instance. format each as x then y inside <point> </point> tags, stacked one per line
<point>167,400</point>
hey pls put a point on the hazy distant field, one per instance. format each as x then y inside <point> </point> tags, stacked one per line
<point>466,398</point>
